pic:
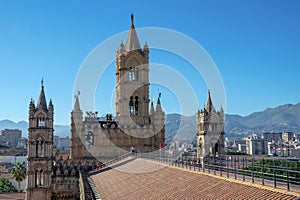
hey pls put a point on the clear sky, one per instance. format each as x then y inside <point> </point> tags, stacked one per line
<point>255,45</point>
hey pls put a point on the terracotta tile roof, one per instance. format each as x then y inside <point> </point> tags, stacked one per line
<point>143,179</point>
<point>12,196</point>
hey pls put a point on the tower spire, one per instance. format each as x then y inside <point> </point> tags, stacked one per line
<point>209,105</point>
<point>76,104</point>
<point>42,104</point>
<point>132,41</point>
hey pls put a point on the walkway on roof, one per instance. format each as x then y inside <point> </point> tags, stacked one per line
<point>144,179</point>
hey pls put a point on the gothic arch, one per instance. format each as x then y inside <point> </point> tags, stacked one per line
<point>134,60</point>
<point>40,117</point>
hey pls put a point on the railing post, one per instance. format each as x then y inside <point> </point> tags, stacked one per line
<point>214,165</point>
<point>227,167</point>
<point>252,168</point>
<point>221,166</point>
<point>298,172</point>
<point>235,168</point>
<point>287,174</point>
<point>194,162</point>
<point>243,168</point>
<point>274,172</point>
<point>209,165</point>
<point>262,172</point>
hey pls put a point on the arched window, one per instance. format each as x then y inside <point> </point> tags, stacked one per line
<point>40,120</point>
<point>131,74</point>
<point>36,179</point>
<point>42,149</point>
<point>89,138</point>
<point>136,105</point>
<point>131,106</point>
<point>41,177</point>
<point>37,149</point>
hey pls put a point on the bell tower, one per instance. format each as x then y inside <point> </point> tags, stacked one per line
<point>210,131</point>
<point>132,80</point>
<point>77,146</point>
<point>40,149</point>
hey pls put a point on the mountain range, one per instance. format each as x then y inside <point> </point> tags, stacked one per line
<point>281,118</point>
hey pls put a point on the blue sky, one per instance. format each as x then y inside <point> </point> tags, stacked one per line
<point>255,45</point>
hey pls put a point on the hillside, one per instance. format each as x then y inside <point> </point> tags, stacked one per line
<point>282,118</point>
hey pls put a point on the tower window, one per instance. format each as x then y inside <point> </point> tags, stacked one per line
<point>131,106</point>
<point>131,74</point>
<point>41,122</point>
<point>89,139</point>
<point>136,105</point>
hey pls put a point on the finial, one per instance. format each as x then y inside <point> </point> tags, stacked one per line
<point>42,82</point>
<point>159,95</point>
<point>132,16</point>
<point>132,25</point>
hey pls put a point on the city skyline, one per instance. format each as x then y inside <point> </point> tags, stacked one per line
<point>254,45</point>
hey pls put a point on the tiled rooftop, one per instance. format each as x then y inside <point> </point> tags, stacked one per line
<point>12,196</point>
<point>136,179</point>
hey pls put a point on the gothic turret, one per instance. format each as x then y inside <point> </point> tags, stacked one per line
<point>158,106</point>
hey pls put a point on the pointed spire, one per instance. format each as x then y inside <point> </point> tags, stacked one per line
<point>121,49</point>
<point>42,104</point>
<point>132,41</point>
<point>158,106</point>
<point>209,105</point>
<point>151,108</point>
<point>76,104</point>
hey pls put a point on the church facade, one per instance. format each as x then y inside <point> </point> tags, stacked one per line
<point>135,124</point>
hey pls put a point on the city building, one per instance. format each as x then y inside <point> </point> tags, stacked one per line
<point>22,143</point>
<point>10,136</point>
<point>210,131</point>
<point>272,136</point>
<point>287,136</point>
<point>256,145</point>
<point>242,147</point>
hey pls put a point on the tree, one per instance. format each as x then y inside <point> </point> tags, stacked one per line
<point>19,173</point>
<point>6,186</point>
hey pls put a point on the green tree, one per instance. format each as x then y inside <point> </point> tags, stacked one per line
<point>19,173</point>
<point>6,186</point>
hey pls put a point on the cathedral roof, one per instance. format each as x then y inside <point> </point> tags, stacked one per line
<point>132,41</point>
<point>42,104</point>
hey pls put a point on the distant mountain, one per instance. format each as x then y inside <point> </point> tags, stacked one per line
<point>282,118</point>
<point>60,130</point>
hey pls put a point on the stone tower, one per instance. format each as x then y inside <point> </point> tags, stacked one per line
<point>76,131</point>
<point>132,81</point>
<point>210,131</point>
<point>40,149</point>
